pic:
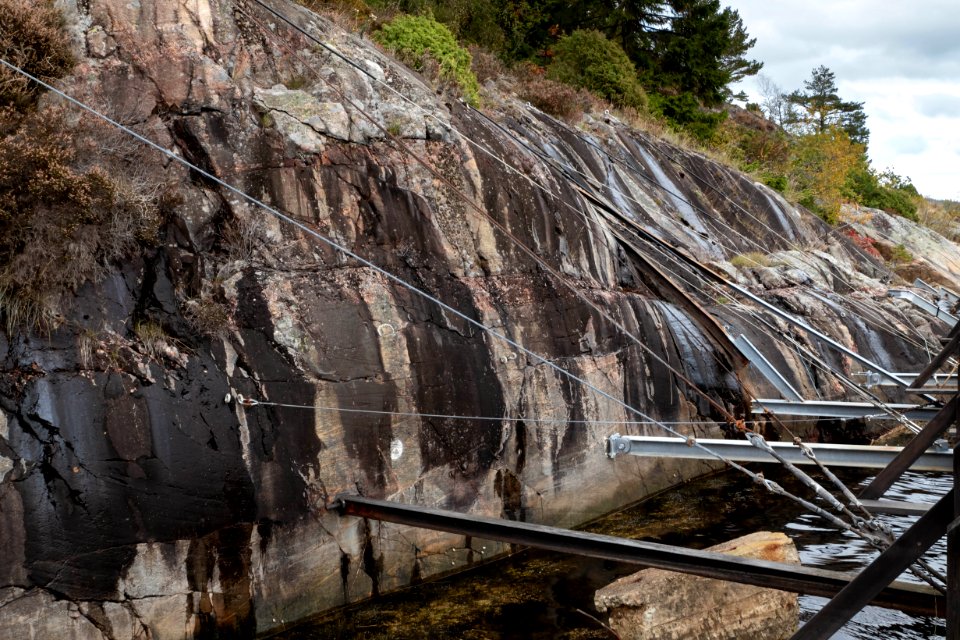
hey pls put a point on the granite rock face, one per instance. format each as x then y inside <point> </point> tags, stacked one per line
<point>137,500</point>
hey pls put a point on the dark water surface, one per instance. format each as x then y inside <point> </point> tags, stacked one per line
<point>535,594</point>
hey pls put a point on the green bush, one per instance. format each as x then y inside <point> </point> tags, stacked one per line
<point>31,37</point>
<point>886,191</point>
<point>415,39</point>
<point>587,59</point>
<point>684,112</point>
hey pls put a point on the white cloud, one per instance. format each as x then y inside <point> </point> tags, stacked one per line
<point>939,104</point>
<point>901,59</point>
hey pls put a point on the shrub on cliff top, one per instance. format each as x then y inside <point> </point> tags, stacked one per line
<point>416,39</point>
<point>587,59</point>
<point>31,37</point>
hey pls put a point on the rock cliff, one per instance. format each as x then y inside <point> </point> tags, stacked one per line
<point>138,498</point>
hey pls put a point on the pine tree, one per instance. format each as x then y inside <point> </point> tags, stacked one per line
<point>820,108</point>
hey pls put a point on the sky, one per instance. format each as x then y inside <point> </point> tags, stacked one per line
<point>901,59</point>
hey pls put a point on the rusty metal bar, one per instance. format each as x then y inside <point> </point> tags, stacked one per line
<point>882,571</point>
<point>906,597</point>
<point>914,449</point>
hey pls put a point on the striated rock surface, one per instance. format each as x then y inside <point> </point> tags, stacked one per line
<point>135,501</point>
<point>662,605</point>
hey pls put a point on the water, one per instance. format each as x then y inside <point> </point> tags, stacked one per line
<point>535,595</point>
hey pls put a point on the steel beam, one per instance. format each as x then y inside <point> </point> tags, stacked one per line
<point>920,284</point>
<point>870,364</point>
<point>941,291</point>
<point>699,267</point>
<point>949,350</point>
<point>914,449</point>
<point>832,455</point>
<point>874,380</point>
<point>896,507</point>
<point>882,571</point>
<point>922,303</point>
<point>906,597</point>
<point>770,372</point>
<point>835,409</point>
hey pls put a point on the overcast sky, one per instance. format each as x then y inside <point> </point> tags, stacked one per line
<point>902,59</point>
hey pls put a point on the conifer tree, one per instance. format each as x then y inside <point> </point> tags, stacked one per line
<point>820,108</point>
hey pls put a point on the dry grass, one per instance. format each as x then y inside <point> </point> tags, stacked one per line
<point>751,259</point>
<point>207,317</point>
<point>31,37</point>
<point>153,338</point>
<point>558,99</point>
<point>941,216</point>
<point>242,236</point>
<point>73,199</point>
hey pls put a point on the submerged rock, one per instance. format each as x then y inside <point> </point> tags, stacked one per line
<point>662,605</point>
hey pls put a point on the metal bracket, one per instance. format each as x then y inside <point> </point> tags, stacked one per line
<point>616,445</point>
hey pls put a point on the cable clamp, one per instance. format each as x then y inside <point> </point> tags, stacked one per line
<point>247,402</point>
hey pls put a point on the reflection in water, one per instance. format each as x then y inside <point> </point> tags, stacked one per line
<point>536,595</point>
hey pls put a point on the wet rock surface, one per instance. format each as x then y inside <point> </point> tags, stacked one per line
<point>136,500</point>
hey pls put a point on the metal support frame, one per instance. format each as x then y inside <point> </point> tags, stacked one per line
<point>882,571</point>
<point>895,507</point>
<point>770,372</point>
<point>869,364</point>
<point>874,380</point>
<point>832,455</point>
<point>943,518</point>
<point>922,303</point>
<point>699,267</point>
<point>914,449</point>
<point>836,409</point>
<point>774,575</point>
<point>949,296</point>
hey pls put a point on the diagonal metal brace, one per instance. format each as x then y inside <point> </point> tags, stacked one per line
<point>906,550</point>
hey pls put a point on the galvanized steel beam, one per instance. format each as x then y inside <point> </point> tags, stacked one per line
<point>874,380</point>
<point>922,303</point>
<point>896,507</point>
<point>770,372</point>
<point>836,409</point>
<point>774,575</point>
<point>832,455</point>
